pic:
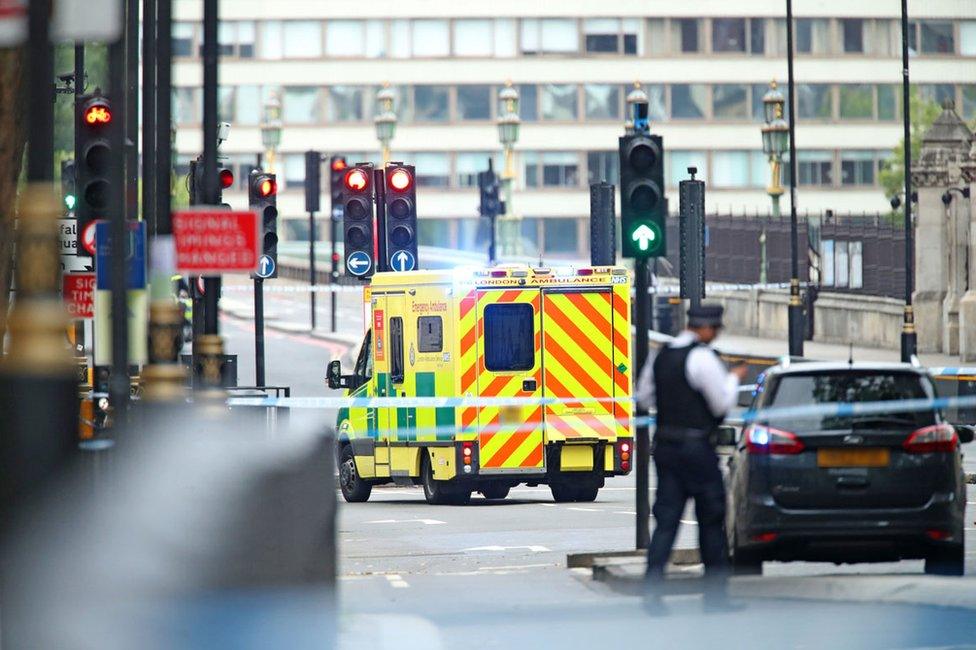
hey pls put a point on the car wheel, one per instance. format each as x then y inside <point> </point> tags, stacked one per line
<point>439,493</point>
<point>354,488</point>
<point>946,561</point>
<point>744,563</point>
<point>495,491</point>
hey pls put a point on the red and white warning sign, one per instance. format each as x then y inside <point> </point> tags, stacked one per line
<point>78,292</point>
<point>211,242</point>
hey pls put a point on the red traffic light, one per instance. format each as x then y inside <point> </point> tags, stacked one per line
<point>98,113</point>
<point>338,164</point>
<point>226,178</point>
<point>267,187</point>
<point>357,180</point>
<point>400,179</point>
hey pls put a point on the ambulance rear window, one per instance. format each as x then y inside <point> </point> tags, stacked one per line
<point>509,338</point>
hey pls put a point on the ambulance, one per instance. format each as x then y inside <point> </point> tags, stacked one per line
<point>507,375</point>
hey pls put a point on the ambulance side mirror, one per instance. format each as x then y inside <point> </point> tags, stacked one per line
<point>333,376</point>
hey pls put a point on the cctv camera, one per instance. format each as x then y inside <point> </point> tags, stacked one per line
<point>223,131</point>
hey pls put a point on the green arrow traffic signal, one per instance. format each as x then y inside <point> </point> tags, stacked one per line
<point>647,236</point>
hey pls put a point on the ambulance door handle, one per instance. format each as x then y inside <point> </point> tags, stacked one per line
<point>529,385</point>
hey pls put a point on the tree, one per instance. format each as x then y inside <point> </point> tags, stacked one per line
<point>892,175</point>
<point>13,137</point>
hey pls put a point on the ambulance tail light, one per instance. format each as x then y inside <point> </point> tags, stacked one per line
<point>625,455</point>
<point>467,458</point>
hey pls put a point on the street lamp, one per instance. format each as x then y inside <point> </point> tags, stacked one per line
<point>775,140</point>
<point>634,97</point>
<point>385,120</point>
<point>271,129</point>
<point>509,123</point>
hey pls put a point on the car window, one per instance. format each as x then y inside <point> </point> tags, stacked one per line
<point>509,337</point>
<point>805,389</point>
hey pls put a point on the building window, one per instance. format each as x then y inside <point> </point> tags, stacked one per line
<point>937,37</point>
<point>560,235</point>
<point>879,39</point>
<point>967,110</point>
<point>187,105</point>
<point>345,104</point>
<point>551,169</point>
<point>602,101</point>
<point>559,102</point>
<point>506,37</point>
<point>856,101</point>
<point>247,106</point>
<point>301,105</point>
<point>686,34</point>
<point>612,35</point>
<point>354,38</point>
<point>757,35</point>
<point>857,167</point>
<point>235,39</point>
<point>937,93</point>
<point>728,34</point>
<point>603,166</point>
<point>813,101</point>
<point>678,163</point>
<point>225,103</point>
<point>657,37</point>
<point>967,37</point>
<point>852,35</point>
<point>473,37</point>
<point>302,39</point>
<point>730,169</point>
<point>657,107</point>
<point>434,232</point>
<point>400,39</point>
<point>293,169</point>
<point>549,36</point>
<point>812,35</point>
<point>528,102</point>
<point>474,102</point>
<point>469,165</point>
<point>433,169</point>
<point>430,38</point>
<point>730,101</point>
<point>759,170</point>
<point>815,167</point>
<point>889,102</point>
<point>270,45</point>
<point>688,101</point>
<point>430,103</point>
<point>184,35</point>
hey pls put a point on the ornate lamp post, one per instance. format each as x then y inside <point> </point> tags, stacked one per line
<point>385,120</point>
<point>271,130</point>
<point>775,140</point>
<point>509,123</point>
<point>635,96</point>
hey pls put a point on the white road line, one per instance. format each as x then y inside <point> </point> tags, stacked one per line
<point>428,522</point>
<point>548,505</point>
<point>585,509</point>
<point>533,549</point>
<point>689,521</point>
<point>623,512</point>
<point>397,582</point>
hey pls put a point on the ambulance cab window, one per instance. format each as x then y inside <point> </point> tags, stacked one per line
<point>430,334</point>
<point>509,338</point>
<point>364,363</point>
<point>396,350</point>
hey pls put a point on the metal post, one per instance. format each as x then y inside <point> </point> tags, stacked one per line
<point>909,340</point>
<point>643,437</point>
<point>795,313</point>
<point>119,380</point>
<point>259,332</point>
<point>334,277</point>
<point>311,266</point>
<point>131,143</point>
<point>149,151</point>
<point>163,143</point>
<point>210,183</point>
<point>40,149</point>
<point>379,182</point>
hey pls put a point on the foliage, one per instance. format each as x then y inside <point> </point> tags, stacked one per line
<point>923,114</point>
<point>96,67</point>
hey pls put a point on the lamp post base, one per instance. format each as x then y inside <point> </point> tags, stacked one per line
<point>795,326</point>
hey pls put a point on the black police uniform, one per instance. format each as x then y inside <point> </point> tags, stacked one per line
<point>687,466</point>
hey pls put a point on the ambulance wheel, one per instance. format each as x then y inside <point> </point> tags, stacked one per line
<point>354,488</point>
<point>440,493</point>
<point>495,491</point>
<point>562,492</point>
<point>587,492</point>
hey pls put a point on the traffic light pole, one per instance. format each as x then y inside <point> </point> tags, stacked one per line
<point>795,309</point>
<point>311,266</point>
<point>258,332</point>
<point>379,182</point>
<point>642,441</point>
<point>149,151</point>
<point>334,277</point>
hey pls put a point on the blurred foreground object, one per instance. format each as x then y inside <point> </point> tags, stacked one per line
<point>197,530</point>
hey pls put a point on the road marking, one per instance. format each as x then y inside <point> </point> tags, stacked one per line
<point>548,505</point>
<point>534,549</point>
<point>428,522</point>
<point>585,509</point>
<point>623,512</point>
<point>689,521</point>
<point>396,581</point>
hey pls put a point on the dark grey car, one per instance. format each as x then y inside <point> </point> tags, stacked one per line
<point>872,487</point>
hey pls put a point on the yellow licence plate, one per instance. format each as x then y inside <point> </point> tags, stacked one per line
<point>877,457</point>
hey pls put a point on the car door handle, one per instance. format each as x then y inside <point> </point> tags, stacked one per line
<point>529,385</point>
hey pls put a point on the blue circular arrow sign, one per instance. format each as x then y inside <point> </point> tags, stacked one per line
<point>359,263</point>
<point>266,267</point>
<point>403,261</point>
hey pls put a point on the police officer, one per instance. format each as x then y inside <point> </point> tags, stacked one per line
<point>693,392</point>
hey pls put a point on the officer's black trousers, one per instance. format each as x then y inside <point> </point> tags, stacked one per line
<point>688,469</point>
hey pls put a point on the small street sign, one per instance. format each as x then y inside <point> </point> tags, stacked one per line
<point>359,263</point>
<point>403,261</point>
<point>135,252</point>
<point>266,267</point>
<point>214,241</point>
<point>78,292</point>
<point>88,238</point>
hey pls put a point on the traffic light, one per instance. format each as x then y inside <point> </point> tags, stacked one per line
<point>225,180</point>
<point>489,205</point>
<point>357,208</point>
<point>68,185</point>
<point>313,182</point>
<point>262,196</point>
<point>642,205</point>
<point>337,172</point>
<point>400,200</point>
<point>92,169</point>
